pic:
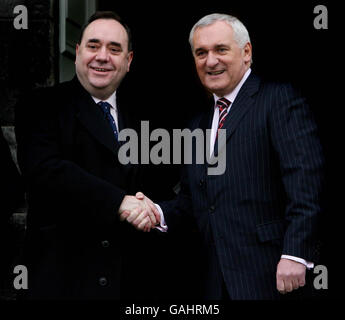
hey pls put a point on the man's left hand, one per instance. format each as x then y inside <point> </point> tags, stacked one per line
<point>290,275</point>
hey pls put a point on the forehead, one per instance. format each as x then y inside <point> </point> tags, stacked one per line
<point>219,32</point>
<point>107,30</point>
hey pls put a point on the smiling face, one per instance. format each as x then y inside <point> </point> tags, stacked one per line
<point>102,58</point>
<point>219,61</point>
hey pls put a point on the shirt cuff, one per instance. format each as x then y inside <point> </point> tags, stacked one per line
<point>308,264</point>
<point>163,226</point>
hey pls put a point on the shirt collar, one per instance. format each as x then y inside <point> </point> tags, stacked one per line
<point>232,95</point>
<point>111,100</point>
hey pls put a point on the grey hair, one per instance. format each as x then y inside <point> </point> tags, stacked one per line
<point>241,35</point>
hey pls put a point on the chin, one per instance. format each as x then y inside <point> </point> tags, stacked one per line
<point>99,84</point>
<point>215,86</point>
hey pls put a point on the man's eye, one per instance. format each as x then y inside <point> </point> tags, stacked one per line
<point>92,46</point>
<point>115,49</point>
<point>222,50</point>
<point>201,54</point>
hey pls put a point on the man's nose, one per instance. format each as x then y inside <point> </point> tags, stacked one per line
<point>102,54</point>
<point>212,59</point>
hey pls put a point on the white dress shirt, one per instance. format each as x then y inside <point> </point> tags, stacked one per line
<point>231,97</point>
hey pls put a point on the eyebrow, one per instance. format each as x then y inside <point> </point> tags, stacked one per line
<point>199,49</point>
<point>113,43</point>
<point>217,46</point>
<point>222,45</point>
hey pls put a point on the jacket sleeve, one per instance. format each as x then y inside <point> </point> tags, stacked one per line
<point>296,142</point>
<point>179,210</point>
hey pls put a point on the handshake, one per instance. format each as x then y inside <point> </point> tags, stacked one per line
<point>139,211</point>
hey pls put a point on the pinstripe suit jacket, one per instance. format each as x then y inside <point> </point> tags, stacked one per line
<point>267,201</point>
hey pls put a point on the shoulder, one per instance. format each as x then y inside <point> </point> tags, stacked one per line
<point>47,95</point>
<point>64,91</point>
<point>277,87</point>
<point>44,102</point>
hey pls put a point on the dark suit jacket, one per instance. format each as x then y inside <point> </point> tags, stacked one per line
<point>268,200</point>
<point>76,247</point>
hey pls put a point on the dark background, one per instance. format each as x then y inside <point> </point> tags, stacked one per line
<point>164,88</point>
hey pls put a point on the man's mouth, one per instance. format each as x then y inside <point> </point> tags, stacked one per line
<point>215,73</point>
<point>100,69</point>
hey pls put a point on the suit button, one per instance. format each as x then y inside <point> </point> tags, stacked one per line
<point>201,183</point>
<point>103,281</point>
<point>105,244</point>
<point>211,209</point>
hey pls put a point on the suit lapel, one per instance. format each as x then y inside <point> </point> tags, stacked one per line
<point>204,124</point>
<point>93,120</point>
<point>242,104</point>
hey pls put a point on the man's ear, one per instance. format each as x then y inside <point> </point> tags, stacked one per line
<point>76,52</point>
<point>129,58</point>
<point>247,52</point>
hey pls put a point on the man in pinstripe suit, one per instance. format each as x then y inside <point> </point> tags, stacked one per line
<point>258,219</point>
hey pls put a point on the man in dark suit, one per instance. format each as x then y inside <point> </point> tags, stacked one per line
<point>76,247</point>
<point>259,218</point>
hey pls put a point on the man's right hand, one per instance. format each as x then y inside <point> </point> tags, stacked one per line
<point>139,212</point>
<point>149,203</point>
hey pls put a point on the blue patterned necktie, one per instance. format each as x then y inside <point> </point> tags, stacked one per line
<point>105,106</point>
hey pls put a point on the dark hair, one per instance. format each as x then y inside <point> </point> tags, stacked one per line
<point>107,15</point>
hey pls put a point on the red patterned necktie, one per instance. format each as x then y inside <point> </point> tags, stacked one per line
<point>223,105</point>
